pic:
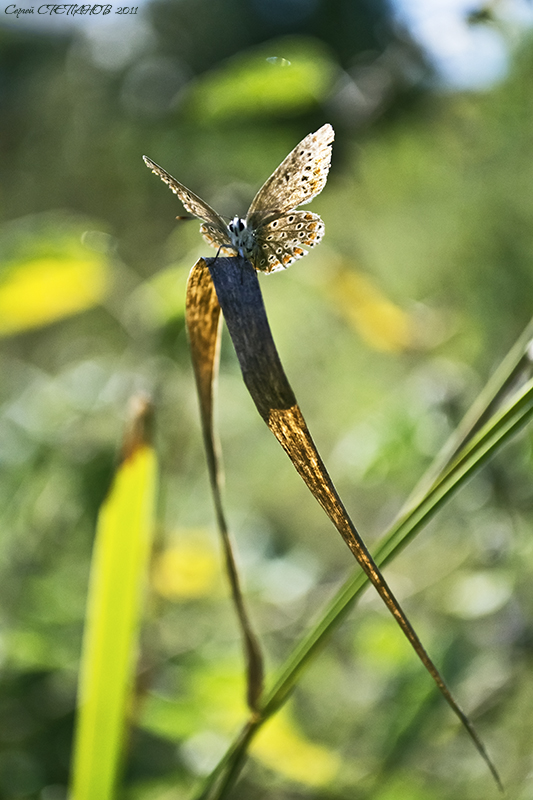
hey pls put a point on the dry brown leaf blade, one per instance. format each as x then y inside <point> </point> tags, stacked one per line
<point>203,326</point>
<point>240,299</point>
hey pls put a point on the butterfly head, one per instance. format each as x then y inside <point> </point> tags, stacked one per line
<point>241,236</point>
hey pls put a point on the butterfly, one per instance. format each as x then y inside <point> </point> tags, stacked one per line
<point>273,233</point>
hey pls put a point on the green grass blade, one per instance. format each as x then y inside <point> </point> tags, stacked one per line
<point>516,364</point>
<point>484,444</point>
<point>118,575</point>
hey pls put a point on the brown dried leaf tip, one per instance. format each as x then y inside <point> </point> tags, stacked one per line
<point>139,426</point>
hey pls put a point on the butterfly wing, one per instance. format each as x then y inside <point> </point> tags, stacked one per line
<point>214,229</point>
<point>279,232</point>
<point>280,239</point>
<point>217,238</point>
<point>299,178</point>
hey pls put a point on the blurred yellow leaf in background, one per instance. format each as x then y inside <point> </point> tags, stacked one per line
<point>188,569</point>
<point>47,289</point>
<point>283,748</point>
<point>381,323</point>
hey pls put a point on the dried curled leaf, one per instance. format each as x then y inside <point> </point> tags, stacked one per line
<point>239,296</point>
<point>203,325</point>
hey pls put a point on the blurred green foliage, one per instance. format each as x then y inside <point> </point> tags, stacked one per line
<point>428,215</point>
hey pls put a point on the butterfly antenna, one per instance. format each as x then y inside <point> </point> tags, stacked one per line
<point>184,217</point>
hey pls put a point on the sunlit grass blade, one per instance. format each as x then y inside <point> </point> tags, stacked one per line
<point>118,576</point>
<point>515,367</point>
<point>479,449</point>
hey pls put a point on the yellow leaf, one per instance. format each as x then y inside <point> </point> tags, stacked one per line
<point>380,322</point>
<point>114,610</point>
<point>43,290</point>
<point>187,569</point>
<point>283,748</point>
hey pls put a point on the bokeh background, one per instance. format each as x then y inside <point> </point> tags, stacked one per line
<point>387,332</point>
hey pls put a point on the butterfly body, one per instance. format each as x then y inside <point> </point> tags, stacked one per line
<point>273,234</point>
<point>242,237</point>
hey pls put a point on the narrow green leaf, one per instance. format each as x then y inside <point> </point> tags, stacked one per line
<point>118,576</point>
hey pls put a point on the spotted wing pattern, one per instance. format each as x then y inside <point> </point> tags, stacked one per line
<point>276,232</point>
<point>217,239</point>
<point>299,178</point>
<point>280,241</point>
<point>194,204</point>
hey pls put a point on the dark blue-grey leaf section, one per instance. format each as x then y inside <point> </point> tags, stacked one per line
<point>240,298</point>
